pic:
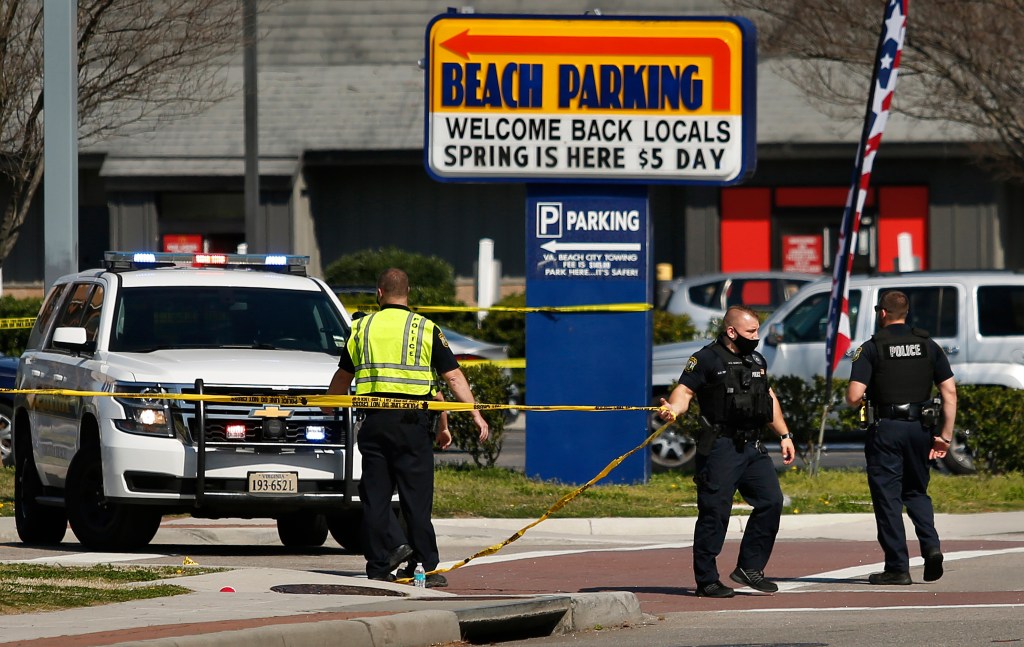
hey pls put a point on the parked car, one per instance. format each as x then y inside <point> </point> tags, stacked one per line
<point>8,369</point>
<point>977,317</point>
<point>705,298</point>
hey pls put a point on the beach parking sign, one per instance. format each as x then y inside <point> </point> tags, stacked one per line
<point>590,98</point>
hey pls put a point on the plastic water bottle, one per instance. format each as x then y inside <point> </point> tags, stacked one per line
<point>419,576</point>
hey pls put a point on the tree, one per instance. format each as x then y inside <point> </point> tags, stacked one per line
<point>961,63</point>
<point>140,62</point>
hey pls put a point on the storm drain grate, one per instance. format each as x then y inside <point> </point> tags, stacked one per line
<point>335,589</point>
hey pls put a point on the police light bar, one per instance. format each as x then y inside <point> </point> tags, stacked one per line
<point>126,261</point>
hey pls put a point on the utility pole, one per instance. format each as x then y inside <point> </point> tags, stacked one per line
<point>255,227</point>
<point>60,139</point>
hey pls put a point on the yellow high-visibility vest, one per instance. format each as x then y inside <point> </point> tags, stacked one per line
<point>391,353</point>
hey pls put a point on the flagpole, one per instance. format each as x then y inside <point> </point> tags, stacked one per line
<point>893,29</point>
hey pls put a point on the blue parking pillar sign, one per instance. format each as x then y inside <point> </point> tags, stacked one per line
<point>587,245</point>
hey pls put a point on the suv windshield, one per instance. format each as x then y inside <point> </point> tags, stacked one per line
<point>156,318</point>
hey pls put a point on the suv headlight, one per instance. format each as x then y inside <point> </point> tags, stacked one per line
<point>150,416</point>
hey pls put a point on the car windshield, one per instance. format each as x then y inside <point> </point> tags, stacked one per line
<point>157,318</point>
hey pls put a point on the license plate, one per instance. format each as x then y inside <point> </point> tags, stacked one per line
<point>273,483</point>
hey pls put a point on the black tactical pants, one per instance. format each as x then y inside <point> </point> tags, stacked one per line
<point>397,451</point>
<point>732,466</point>
<point>898,474</point>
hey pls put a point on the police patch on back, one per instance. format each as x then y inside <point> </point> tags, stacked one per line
<point>909,350</point>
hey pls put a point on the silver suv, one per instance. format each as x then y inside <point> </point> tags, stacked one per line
<point>977,317</point>
<point>705,298</point>
<point>161,326</point>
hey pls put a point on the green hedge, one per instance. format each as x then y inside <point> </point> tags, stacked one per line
<point>803,404</point>
<point>490,385</point>
<point>431,282</point>
<point>994,418</point>
<point>13,340</point>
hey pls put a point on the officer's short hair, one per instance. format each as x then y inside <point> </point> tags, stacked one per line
<point>895,303</point>
<point>733,312</point>
<point>393,282</point>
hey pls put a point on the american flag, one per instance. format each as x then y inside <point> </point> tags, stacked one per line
<point>883,84</point>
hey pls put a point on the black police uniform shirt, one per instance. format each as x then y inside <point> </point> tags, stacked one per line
<point>705,368</point>
<point>866,357</point>
<point>442,359</point>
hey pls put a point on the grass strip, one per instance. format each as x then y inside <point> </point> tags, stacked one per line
<point>26,588</point>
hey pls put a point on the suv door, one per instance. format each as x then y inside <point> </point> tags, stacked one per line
<point>800,350</point>
<point>997,343</point>
<point>56,417</point>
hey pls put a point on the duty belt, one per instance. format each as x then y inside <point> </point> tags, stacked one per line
<point>726,431</point>
<point>905,411</point>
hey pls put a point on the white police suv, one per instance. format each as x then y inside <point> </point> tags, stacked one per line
<point>164,326</point>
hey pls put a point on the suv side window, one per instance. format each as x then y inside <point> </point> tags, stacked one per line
<point>936,309</point>
<point>45,318</point>
<point>809,320</point>
<point>92,314</point>
<point>707,294</point>
<point>77,306</point>
<point>753,293</point>
<point>1000,310</point>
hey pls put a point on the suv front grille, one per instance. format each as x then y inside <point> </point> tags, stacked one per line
<point>279,425</point>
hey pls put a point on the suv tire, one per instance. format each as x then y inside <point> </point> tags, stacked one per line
<point>302,529</point>
<point>36,523</point>
<point>6,435</point>
<point>959,459</point>
<point>674,449</point>
<point>98,523</point>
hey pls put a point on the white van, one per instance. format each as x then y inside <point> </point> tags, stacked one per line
<point>977,317</point>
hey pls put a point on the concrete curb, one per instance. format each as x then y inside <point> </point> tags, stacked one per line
<point>607,609</point>
<point>544,615</point>
<point>400,630</point>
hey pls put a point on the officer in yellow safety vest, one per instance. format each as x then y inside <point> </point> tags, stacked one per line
<point>395,353</point>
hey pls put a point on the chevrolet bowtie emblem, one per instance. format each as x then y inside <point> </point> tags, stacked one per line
<point>270,411</point>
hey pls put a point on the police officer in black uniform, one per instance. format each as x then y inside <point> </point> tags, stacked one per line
<point>729,379</point>
<point>896,369</point>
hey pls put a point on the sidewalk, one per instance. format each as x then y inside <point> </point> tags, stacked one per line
<point>287,608</point>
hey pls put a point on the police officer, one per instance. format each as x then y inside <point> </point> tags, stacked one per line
<point>729,379</point>
<point>896,369</point>
<point>396,353</point>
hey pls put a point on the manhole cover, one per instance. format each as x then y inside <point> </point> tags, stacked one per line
<point>335,589</point>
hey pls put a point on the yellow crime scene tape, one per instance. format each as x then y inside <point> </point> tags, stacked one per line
<point>17,322</point>
<point>373,402</point>
<point>606,307</point>
<point>558,505</point>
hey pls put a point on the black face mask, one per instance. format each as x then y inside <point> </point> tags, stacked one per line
<point>744,345</point>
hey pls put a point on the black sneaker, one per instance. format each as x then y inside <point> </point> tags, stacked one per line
<point>436,581</point>
<point>901,578</point>
<point>754,579</point>
<point>932,564</point>
<point>714,590</point>
<point>386,577</point>
<point>399,555</point>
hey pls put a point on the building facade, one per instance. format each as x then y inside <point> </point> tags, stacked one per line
<point>341,130</point>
